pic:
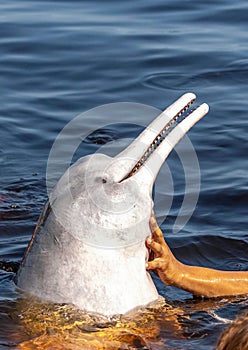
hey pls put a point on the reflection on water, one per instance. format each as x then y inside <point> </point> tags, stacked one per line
<point>50,326</point>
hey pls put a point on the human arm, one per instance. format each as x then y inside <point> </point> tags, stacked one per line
<point>200,281</point>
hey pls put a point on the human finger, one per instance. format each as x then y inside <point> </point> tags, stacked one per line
<point>154,264</point>
<point>152,222</point>
<point>155,230</point>
<point>154,246</point>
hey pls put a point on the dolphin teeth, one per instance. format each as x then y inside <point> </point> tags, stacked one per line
<point>160,137</point>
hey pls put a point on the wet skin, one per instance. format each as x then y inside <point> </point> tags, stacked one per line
<point>199,281</point>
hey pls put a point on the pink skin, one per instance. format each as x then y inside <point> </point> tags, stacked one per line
<point>200,281</point>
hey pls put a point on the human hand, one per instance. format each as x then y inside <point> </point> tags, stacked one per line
<point>197,280</point>
<point>161,259</point>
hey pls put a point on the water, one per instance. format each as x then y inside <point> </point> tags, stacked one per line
<point>58,59</point>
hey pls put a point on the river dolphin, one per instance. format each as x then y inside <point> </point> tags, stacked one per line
<point>88,247</point>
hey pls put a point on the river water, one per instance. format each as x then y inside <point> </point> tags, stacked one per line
<point>61,58</point>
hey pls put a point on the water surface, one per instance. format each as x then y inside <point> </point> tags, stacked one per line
<point>58,59</point>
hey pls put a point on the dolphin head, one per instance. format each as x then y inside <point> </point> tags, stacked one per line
<point>89,244</point>
<point>112,197</point>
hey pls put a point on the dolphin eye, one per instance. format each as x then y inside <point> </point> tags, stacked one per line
<point>100,179</point>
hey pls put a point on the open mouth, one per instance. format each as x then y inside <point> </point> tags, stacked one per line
<point>164,133</point>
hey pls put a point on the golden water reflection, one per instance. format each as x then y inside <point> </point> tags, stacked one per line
<point>50,326</point>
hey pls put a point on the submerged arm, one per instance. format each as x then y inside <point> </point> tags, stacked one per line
<point>199,281</point>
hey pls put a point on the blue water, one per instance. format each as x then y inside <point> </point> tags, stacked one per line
<point>58,59</point>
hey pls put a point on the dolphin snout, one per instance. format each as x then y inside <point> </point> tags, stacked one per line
<point>143,158</point>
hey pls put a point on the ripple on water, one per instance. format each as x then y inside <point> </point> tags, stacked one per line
<point>237,73</point>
